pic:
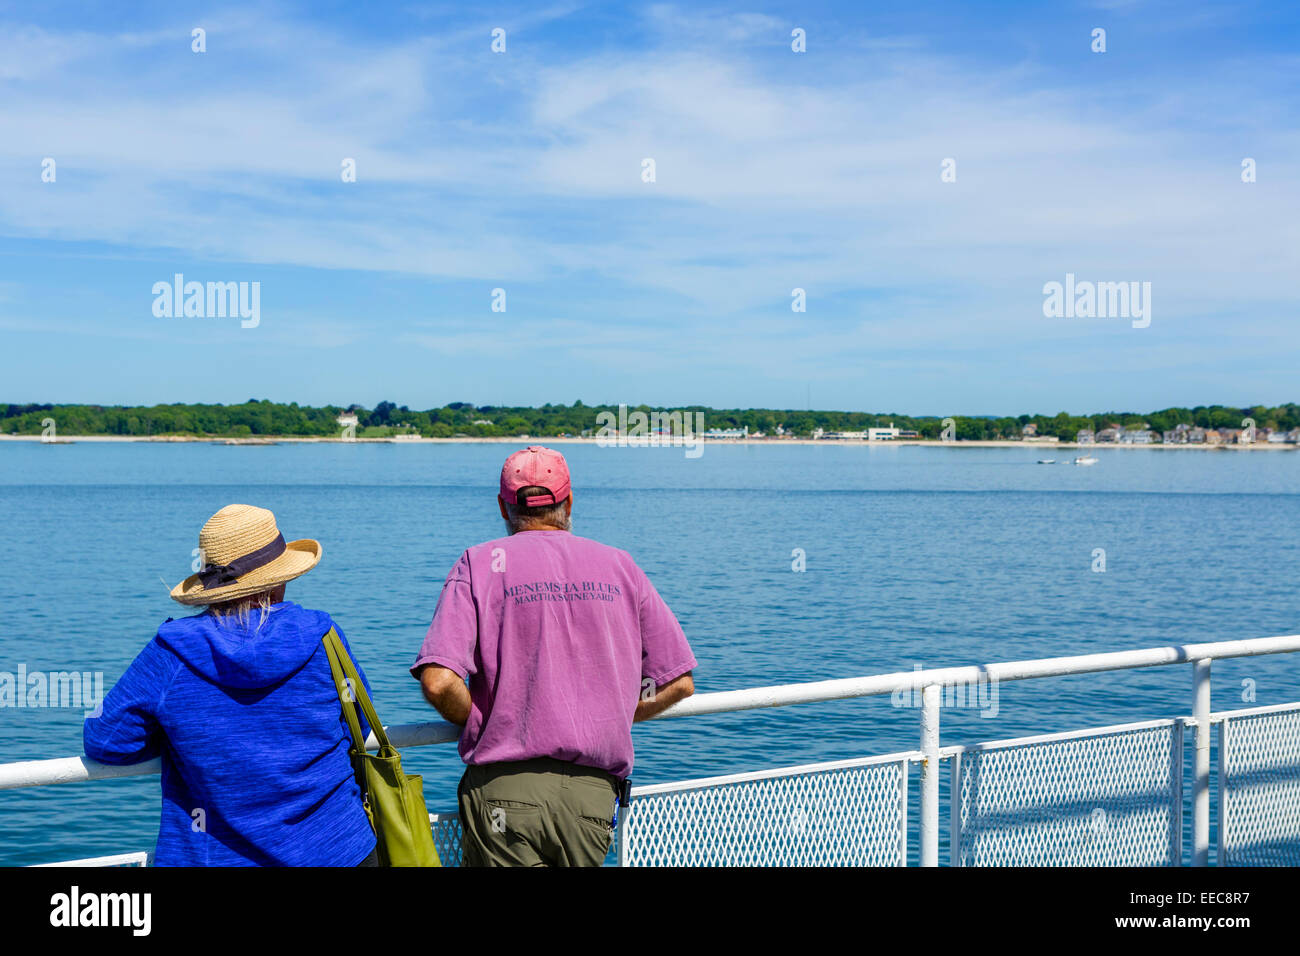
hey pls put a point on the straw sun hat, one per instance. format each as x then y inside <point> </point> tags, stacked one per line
<point>244,553</point>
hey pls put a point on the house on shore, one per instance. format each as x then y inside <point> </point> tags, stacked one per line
<point>1030,433</point>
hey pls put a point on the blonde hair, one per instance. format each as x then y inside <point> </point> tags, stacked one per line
<point>240,610</point>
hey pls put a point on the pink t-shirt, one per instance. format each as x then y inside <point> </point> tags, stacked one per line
<point>558,636</point>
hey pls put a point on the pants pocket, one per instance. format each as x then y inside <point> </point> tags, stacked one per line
<point>512,816</point>
<point>599,825</point>
<point>589,840</point>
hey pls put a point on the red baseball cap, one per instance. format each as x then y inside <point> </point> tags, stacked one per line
<point>539,467</point>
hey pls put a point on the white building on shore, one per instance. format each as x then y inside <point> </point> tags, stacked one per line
<point>844,436</point>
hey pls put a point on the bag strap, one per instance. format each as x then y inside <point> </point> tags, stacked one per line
<point>345,676</point>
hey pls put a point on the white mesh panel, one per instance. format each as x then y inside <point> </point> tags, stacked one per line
<point>836,815</point>
<point>446,836</point>
<point>1260,790</point>
<point>1109,797</point>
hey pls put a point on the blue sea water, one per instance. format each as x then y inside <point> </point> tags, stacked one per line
<point>914,556</point>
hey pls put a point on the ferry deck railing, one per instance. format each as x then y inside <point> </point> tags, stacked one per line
<point>1106,795</point>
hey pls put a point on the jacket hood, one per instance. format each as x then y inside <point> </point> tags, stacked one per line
<point>235,655</point>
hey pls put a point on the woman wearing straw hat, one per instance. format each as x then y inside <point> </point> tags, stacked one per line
<point>239,703</point>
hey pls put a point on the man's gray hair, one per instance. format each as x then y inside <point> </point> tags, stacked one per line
<point>522,519</point>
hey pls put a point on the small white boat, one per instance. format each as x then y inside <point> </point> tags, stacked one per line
<point>1047,461</point>
<point>1085,460</point>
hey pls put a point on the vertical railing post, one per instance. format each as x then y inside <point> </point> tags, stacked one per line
<point>904,770</point>
<point>930,699</point>
<point>1201,767</point>
<point>954,810</point>
<point>1221,845</point>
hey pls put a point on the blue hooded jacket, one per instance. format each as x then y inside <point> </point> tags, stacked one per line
<point>255,766</point>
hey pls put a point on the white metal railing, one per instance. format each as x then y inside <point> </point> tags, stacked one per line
<point>930,684</point>
<point>140,858</point>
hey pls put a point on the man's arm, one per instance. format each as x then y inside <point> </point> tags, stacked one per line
<point>664,697</point>
<point>446,691</point>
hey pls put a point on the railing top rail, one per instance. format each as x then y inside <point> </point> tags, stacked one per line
<point>845,688</point>
<point>1035,740</point>
<point>39,773</point>
<point>1220,715</point>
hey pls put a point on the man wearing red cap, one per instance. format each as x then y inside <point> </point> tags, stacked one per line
<point>565,643</point>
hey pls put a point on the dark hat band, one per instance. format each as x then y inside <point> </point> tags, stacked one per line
<point>219,575</point>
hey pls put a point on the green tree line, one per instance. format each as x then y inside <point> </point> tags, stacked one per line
<point>265,418</point>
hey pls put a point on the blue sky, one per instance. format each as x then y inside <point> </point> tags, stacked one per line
<point>774,171</point>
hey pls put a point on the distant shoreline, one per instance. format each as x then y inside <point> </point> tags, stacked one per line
<point>1045,448</point>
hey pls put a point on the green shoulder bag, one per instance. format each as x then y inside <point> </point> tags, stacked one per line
<point>394,801</point>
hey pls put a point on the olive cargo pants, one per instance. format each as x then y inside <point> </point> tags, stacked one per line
<point>540,812</point>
